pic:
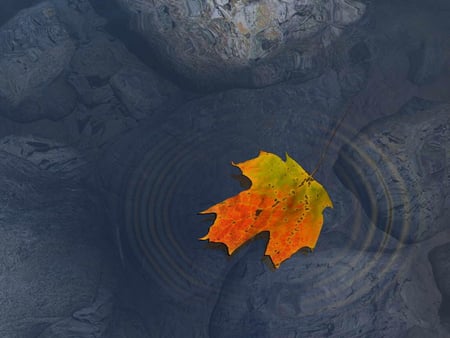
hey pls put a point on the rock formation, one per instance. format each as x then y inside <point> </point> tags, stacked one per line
<point>243,43</point>
<point>104,163</point>
<point>399,168</point>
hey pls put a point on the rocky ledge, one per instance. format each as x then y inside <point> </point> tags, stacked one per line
<point>243,43</point>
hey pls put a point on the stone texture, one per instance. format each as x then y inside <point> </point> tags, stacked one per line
<point>53,252</point>
<point>336,291</point>
<point>35,48</point>
<point>9,8</point>
<point>101,91</point>
<point>46,155</point>
<point>440,261</point>
<point>137,89</point>
<point>80,19</point>
<point>428,61</point>
<point>399,168</point>
<point>242,43</point>
<point>180,164</point>
<point>89,322</point>
<point>103,72</point>
<point>127,324</point>
<point>98,59</point>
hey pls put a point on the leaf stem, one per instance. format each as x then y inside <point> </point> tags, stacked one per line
<point>333,134</point>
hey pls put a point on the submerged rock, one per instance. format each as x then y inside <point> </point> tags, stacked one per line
<point>428,61</point>
<point>94,91</point>
<point>333,292</point>
<point>143,92</point>
<point>35,49</point>
<point>157,177</point>
<point>9,8</point>
<point>243,43</point>
<point>398,167</point>
<point>89,322</point>
<point>53,248</point>
<point>440,262</point>
<point>47,155</point>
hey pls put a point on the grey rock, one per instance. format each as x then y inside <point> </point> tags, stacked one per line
<point>333,292</point>
<point>143,92</point>
<point>89,322</point>
<point>243,43</point>
<point>53,253</point>
<point>9,8</point>
<point>79,18</point>
<point>398,167</point>
<point>65,58</point>
<point>128,324</point>
<point>90,113</point>
<point>103,69</point>
<point>440,262</point>
<point>420,332</point>
<point>53,102</point>
<point>353,65</point>
<point>96,126</point>
<point>427,62</point>
<point>98,59</point>
<point>93,92</point>
<point>180,164</point>
<point>35,48</point>
<point>47,155</point>
<point>436,5</point>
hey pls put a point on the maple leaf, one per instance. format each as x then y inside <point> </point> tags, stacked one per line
<point>283,200</point>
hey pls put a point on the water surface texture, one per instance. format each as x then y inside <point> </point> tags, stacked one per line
<point>119,121</point>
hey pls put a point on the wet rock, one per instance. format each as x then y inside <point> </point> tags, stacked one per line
<point>103,72</point>
<point>398,168</point>
<point>79,18</point>
<point>79,66</point>
<point>180,164</point>
<point>243,43</point>
<point>128,324</point>
<point>420,332</point>
<point>353,65</point>
<point>333,292</point>
<point>9,8</point>
<point>427,62</point>
<point>89,322</point>
<point>94,127</point>
<point>440,262</point>
<point>143,93</point>
<point>92,92</point>
<point>98,59</point>
<point>34,51</point>
<point>52,102</point>
<point>53,249</point>
<point>46,155</point>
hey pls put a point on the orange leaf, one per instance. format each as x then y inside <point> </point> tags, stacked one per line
<point>283,200</point>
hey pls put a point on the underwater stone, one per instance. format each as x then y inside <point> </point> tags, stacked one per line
<point>34,50</point>
<point>399,168</point>
<point>332,292</point>
<point>427,62</point>
<point>54,253</point>
<point>440,262</point>
<point>254,43</point>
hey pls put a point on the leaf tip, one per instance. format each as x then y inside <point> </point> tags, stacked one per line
<point>210,210</point>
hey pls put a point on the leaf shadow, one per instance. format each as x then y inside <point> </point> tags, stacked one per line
<point>244,181</point>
